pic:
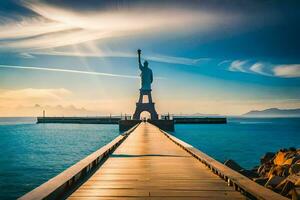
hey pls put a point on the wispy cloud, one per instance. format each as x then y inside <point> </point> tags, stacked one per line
<point>238,65</point>
<point>90,53</point>
<point>177,60</point>
<point>224,62</point>
<point>29,27</point>
<point>55,40</point>
<point>32,94</point>
<point>266,69</point>
<point>26,55</point>
<point>287,71</point>
<point>55,26</point>
<point>259,69</point>
<point>67,71</point>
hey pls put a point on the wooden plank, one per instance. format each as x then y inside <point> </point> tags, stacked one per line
<point>210,187</point>
<point>155,198</point>
<point>158,193</point>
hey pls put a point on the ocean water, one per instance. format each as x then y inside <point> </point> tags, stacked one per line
<point>33,153</point>
<point>244,140</point>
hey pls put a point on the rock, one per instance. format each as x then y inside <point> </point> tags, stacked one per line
<point>295,179</point>
<point>267,157</point>
<point>295,168</point>
<point>291,154</point>
<point>236,167</point>
<point>261,181</point>
<point>260,169</point>
<point>248,173</point>
<point>264,169</point>
<point>292,149</point>
<point>233,165</point>
<point>280,158</point>
<point>285,187</point>
<point>255,169</point>
<point>295,193</point>
<point>297,183</point>
<point>290,184</point>
<point>283,150</point>
<point>288,161</point>
<point>296,159</point>
<point>274,181</point>
<point>281,186</point>
<point>279,170</point>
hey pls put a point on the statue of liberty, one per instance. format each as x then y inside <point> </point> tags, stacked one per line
<point>146,74</point>
<point>146,80</point>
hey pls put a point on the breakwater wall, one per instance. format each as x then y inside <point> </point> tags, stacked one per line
<point>115,120</point>
<point>200,120</point>
<point>80,120</point>
<point>127,123</point>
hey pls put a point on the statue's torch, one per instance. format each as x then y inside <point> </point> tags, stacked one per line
<point>139,55</point>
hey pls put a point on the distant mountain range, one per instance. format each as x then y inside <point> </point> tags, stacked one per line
<point>273,112</point>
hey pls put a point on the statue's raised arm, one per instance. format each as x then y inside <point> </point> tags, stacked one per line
<point>139,58</point>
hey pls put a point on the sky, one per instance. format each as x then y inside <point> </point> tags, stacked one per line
<point>78,58</point>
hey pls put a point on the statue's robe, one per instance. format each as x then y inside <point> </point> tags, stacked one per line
<point>146,78</point>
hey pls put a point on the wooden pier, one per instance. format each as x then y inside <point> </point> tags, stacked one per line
<point>147,163</point>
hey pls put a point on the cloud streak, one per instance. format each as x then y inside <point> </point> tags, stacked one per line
<point>287,71</point>
<point>237,66</point>
<point>177,60</point>
<point>259,69</point>
<point>266,69</point>
<point>68,71</point>
<point>100,54</point>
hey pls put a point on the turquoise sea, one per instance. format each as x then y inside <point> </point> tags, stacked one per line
<point>33,153</point>
<point>244,140</point>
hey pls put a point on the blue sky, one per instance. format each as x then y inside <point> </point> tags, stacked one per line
<point>220,57</point>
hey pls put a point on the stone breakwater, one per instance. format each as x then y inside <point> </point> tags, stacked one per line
<point>279,172</point>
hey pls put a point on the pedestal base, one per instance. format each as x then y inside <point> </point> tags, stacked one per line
<point>141,107</point>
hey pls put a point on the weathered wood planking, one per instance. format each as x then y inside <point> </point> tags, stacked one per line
<point>148,165</point>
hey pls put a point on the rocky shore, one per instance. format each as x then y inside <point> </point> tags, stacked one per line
<point>279,172</point>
